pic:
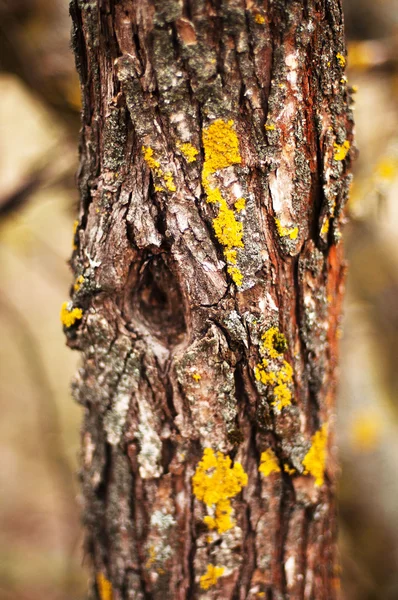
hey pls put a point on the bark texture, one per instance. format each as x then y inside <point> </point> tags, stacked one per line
<point>215,152</point>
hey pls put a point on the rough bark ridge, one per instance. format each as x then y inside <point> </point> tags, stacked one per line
<point>215,154</point>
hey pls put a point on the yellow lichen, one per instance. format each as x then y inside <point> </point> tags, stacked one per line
<point>273,342</point>
<point>169,182</point>
<point>215,482</point>
<point>262,374</point>
<point>341,59</point>
<point>268,463</point>
<point>341,150</point>
<point>286,231</point>
<point>75,226</point>
<point>210,578</point>
<point>78,283</point>
<point>221,146</point>
<point>222,520</point>
<point>149,158</point>
<point>325,226</point>
<point>188,151</point>
<point>228,230</point>
<point>104,587</point>
<point>236,275</point>
<point>196,376</point>
<point>259,19</point>
<point>230,256</point>
<point>315,460</point>
<point>273,370</point>
<point>282,395</point>
<point>270,127</point>
<point>70,316</point>
<point>240,204</point>
<point>221,149</point>
<point>152,557</point>
<point>154,165</point>
<point>288,469</point>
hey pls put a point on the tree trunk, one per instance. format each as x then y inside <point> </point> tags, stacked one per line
<point>215,155</point>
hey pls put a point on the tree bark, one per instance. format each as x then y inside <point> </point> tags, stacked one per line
<point>215,153</point>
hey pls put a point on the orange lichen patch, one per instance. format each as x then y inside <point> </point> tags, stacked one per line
<point>104,587</point>
<point>366,431</point>
<point>291,232</point>
<point>189,151</point>
<point>78,283</point>
<point>69,316</point>
<point>215,482</point>
<point>315,460</point>
<point>221,148</point>
<point>210,578</point>
<point>268,463</point>
<point>341,150</point>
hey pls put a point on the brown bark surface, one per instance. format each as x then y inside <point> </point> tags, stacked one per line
<point>215,156</point>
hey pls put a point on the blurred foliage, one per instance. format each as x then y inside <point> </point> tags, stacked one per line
<point>40,540</point>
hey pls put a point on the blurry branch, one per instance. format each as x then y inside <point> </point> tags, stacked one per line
<point>48,417</point>
<point>354,569</point>
<point>34,45</point>
<point>371,54</point>
<point>370,191</point>
<point>56,167</point>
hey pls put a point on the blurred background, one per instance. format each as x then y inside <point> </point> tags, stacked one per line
<point>40,536</point>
